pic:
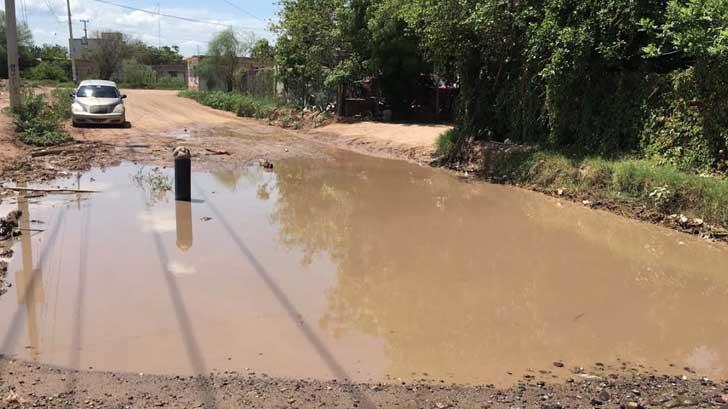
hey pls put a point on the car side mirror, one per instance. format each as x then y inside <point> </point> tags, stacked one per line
<point>123,96</point>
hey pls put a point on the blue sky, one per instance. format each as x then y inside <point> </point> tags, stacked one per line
<point>48,21</point>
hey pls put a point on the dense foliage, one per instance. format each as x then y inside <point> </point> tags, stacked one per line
<point>607,77</point>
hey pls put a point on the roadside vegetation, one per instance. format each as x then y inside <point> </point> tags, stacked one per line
<point>40,120</point>
<point>141,76</point>
<point>242,105</point>
<point>247,93</point>
<point>632,183</point>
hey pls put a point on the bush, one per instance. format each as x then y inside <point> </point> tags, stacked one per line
<point>136,75</point>
<point>165,81</point>
<point>447,142</point>
<point>51,71</point>
<point>241,105</point>
<point>39,123</point>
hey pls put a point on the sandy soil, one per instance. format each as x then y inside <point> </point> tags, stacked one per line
<point>10,149</point>
<point>416,142</point>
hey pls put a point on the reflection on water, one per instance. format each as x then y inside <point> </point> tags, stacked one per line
<point>183,213</point>
<point>29,281</point>
<point>389,269</point>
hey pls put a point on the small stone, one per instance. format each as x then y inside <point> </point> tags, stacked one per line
<point>604,396</point>
<point>559,364</point>
<point>633,405</point>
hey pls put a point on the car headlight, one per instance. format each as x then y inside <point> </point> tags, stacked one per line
<point>76,107</point>
<point>119,109</point>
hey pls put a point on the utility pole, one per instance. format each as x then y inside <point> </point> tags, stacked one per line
<point>159,25</point>
<point>12,36</point>
<point>85,31</point>
<point>70,42</point>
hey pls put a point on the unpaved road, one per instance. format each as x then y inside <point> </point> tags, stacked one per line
<point>160,120</point>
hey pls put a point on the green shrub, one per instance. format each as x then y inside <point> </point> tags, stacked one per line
<point>447,142</point>
<point>59,71</point>
<point>664,188</point>
<point>165,81</point>
<point>241,105</point>
<point>39,123</point>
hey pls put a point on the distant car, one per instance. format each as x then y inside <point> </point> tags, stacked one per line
<point>98,102</point>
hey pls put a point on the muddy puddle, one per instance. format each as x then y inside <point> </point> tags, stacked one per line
<point>353,267</point>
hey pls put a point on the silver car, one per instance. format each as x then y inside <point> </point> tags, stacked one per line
<point>98,102</point>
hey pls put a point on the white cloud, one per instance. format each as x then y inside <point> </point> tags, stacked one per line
<point>135,18</point>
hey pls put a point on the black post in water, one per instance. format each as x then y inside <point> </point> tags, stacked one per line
<point>182,174</point>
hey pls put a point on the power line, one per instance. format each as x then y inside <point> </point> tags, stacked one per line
<point>53,11</point>
<point>244,11</point>
<point>154,13</point>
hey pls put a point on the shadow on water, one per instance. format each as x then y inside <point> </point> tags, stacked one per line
<point>184,242</point>
<point>294,315</point>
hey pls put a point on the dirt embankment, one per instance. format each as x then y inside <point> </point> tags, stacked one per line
<point>25,385</point>
<point>402,141</point>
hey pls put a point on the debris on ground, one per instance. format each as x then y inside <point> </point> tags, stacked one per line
<point>217,151</point>
<point>626,388</point>
<point>9,225</point>
<point>3,276</point>
<point>265,164</point>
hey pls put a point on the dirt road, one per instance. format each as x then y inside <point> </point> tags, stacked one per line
<point>160,120</point>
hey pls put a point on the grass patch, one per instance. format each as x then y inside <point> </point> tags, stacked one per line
<point>662,188</point>
<point>40,122</point>
<point>241,105</point>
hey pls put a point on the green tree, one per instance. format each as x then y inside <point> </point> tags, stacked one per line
<point>149,55</point>
<point>309,48</point>
<point>52,63</point>
<point>223,59</point>
<point>107,56</point>
<point>262,50</point>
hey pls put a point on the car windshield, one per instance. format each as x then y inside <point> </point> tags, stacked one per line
<point>97,91</point>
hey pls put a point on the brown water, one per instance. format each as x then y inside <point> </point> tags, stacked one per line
<point>354,267</point>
